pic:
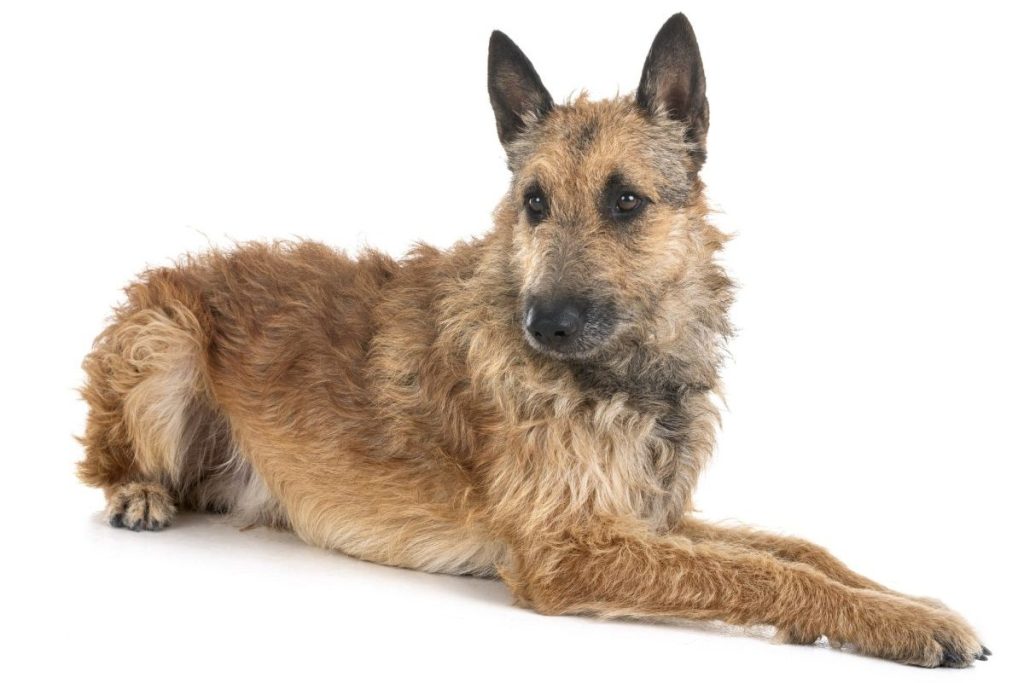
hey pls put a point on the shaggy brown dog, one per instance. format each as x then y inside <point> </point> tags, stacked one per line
<point>535,405</point>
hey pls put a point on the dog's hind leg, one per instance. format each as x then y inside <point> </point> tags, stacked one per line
<point>144,381</point>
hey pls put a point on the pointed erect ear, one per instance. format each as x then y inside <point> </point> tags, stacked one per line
<point>673,78</point>
<point>517,95</point>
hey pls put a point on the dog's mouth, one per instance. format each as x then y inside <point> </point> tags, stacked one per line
<point>578,350</point>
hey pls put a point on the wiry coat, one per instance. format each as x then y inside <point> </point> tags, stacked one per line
<point>395,410</point>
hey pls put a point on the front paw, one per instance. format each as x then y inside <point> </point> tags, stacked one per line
<point>912,633</point>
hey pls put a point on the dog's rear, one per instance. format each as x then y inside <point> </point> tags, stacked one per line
<point>151,425</point>
<point>156,436</point>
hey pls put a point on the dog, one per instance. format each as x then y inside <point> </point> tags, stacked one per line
<point>534,405</point>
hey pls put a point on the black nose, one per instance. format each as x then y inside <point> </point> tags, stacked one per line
<point>554,323</point>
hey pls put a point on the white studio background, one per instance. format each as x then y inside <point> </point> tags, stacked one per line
<point>867,156</point>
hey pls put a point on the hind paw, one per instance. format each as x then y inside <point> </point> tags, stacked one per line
<point>140,507</point>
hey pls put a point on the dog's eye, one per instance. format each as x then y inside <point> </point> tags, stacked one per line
<point>535,203</point>
<point>536,207</point>
<point>627,202</point>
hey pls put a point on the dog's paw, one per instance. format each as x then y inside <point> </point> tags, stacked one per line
<point>950,655</point>
<point>913,633</point>
<point>140,507</point>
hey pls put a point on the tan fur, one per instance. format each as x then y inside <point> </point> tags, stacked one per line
<point>393,410</point>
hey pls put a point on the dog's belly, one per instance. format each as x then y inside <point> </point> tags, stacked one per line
<point>416,541</point>
<point>377,509</point>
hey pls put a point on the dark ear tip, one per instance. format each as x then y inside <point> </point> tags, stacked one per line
<point>502,49</point>
<point>679,19</point>
<point>500,40</point>
<point>677,24</point>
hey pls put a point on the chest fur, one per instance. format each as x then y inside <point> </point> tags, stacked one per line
<point>609,457</point>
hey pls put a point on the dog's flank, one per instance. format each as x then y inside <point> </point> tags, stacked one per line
<point>536,404</point>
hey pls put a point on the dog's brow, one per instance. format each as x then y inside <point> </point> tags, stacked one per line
<point>532,186</point>
<point>617,181</point>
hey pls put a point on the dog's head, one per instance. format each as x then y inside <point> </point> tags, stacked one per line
<point>603,195</point>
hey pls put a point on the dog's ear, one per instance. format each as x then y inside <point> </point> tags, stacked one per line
<point>673,79</point>
<point>517,95</point>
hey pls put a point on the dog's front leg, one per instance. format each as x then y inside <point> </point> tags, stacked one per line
<point>619,570</point>
<point>786,548</point>
<point>789,549</point>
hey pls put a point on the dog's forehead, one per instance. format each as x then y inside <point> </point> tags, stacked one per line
<point>581,130</point>
<point>580,144</point>
<point>583,127</point>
